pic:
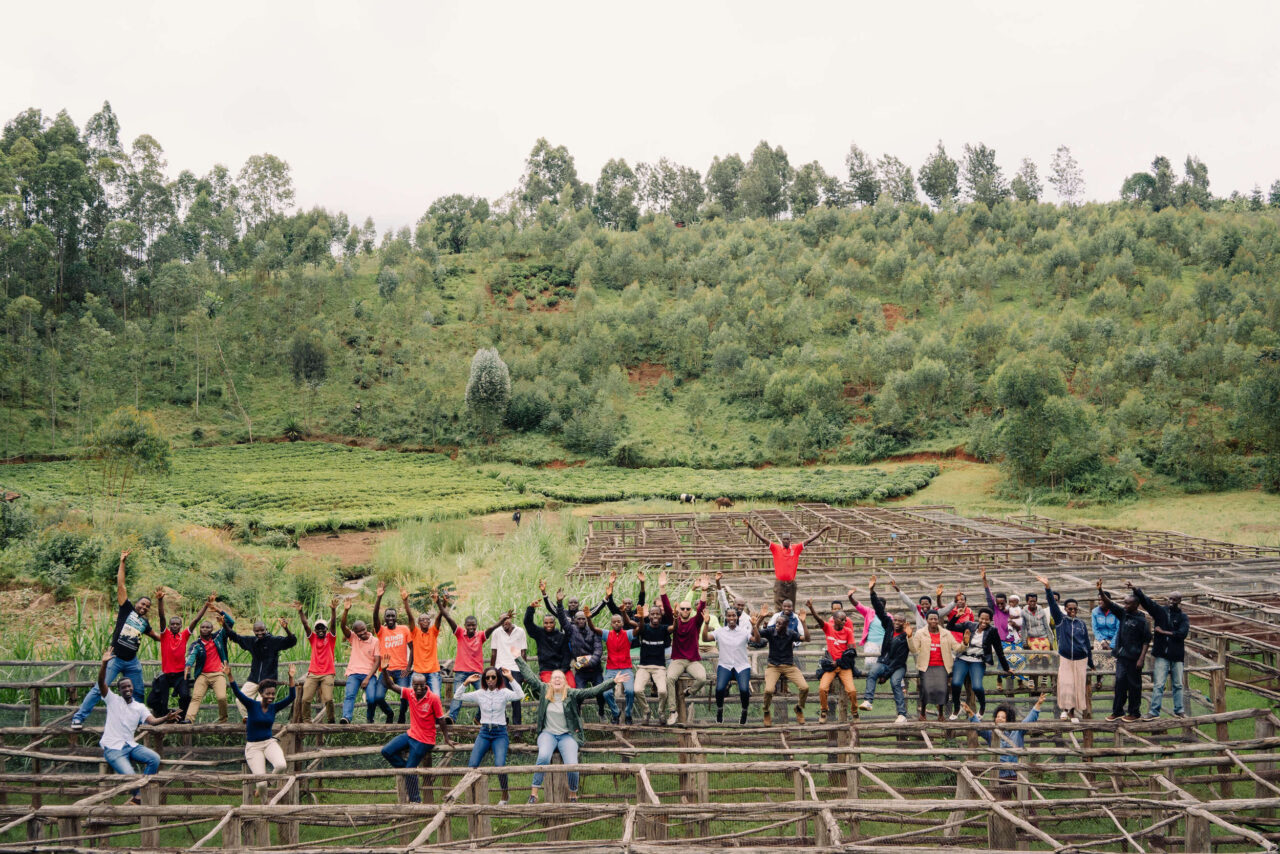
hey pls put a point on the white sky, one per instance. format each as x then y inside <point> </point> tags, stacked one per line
<point>382,107</point>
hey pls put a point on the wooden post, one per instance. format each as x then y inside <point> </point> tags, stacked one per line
<point>1218,685</point>
<point>964,792</point>
<point>287,831</point>
<point>556,791</point>
<point>798,783</point>
<point>233,832</point>
<point>1001,834</point>
<point>150,795</point>
<point>1197,835</point>
<point>852,784</point>
<point>478,793</point>
<point>1264,728</point>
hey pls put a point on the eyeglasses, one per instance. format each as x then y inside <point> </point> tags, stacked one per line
<point>491,678</point>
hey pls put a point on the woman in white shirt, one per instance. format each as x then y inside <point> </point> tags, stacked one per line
<point>492,698</point>
<point>731,649</point>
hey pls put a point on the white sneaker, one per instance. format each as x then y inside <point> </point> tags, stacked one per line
<point>1063,716</point>
<point>672,718</point>
<point>902,719</point>
<point>502,803</point>
<point>953,718</point>
<point>1075,720</point>
<point>865,705</point>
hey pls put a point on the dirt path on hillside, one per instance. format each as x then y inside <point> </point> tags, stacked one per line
<point>351,548</point>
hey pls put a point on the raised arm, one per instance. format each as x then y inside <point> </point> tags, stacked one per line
<point>377,606</point>
<point>122,591</point>
<point>759,536</point>
<point>302,618</point>
<point>448,618</point>
<point>102,672</point>
<point>346,609</point>
<point>1054,610</point>
<point>877,606</point>
<point>404,605</point>
<point>819,534</point>
<point>813,613</point>
<point>532,680</point>
<point>489,631</point>
<point>530,629</point>
<point>160,607</point>
<point>1158,613</point>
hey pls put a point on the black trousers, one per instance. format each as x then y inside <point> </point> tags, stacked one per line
<point>1128,699</point>
<point>161,688</point>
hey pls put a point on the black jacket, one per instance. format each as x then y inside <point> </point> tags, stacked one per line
<point>782,641</point>
<point>1134,633</point>
<point>1171,647</point>
<point>553,647</point>
<point>895,648</point>
<point>264,654</point>
<point>585,642</point>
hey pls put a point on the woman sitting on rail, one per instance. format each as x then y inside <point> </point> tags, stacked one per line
<point>492,698</point>
<point>559,720</point>
<point>259,716</point>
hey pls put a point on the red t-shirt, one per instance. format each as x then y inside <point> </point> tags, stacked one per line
<point>470,655</point>
<point>212,661</point>
<point>838,641</point>
<point>322,653</point>
<point>786,560</point>
<point>422,715</point>
<point>618,645</point>
<point>935,651</point>
<point>173,651</point>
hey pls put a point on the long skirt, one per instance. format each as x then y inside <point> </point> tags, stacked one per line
<point>1073,684</point>
<point>933,687</point>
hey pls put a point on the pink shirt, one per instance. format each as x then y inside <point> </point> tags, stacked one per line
<point>470,655</point>
<point>364,654</point>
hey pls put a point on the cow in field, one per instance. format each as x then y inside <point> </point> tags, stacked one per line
<point>686,498</point>
<point>723,503</point>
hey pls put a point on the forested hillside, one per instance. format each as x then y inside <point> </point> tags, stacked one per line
<point>758,314</point>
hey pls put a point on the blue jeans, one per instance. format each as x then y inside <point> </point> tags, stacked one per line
<point>459,676</point>
<point>628,691</point>
<point>491,737</point>
<point>119,760</point>
<point>434,681</point>
<point>1163,669</point>
<point>743,677</point>
<point>349,694</point>
<point>976,671</point>
<point>548,744</point>
<point>115,667</point>
<point>896,681</point>
<point>417,752</point>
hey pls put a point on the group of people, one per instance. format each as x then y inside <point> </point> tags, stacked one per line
<point>578,661</point>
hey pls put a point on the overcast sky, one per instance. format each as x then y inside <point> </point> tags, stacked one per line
<point>382,107</point>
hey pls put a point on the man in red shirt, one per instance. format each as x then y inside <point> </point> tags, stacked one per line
<point>840,646</point>
<point>410,749</point>
<point>324,648</point>
<point>786,560</point>
<point>173,658</point>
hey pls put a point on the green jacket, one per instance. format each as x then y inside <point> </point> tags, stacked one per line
<point>533,681</point>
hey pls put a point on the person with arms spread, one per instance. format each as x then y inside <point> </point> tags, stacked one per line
<point>618,640</point>
<point>685,655</point>
<point>321,670</point>
<point>173,659</point>
<point>393,643</point>
<point>559,722</point>
<point>424,641</point>
<point>492,699</point>
<point>411,749</point>
<point>891,665</point>
<point>1130,652</point>
<point>205,659</point>
<point>260,710</point>
<point>1075,655</point>
<point>552,638</point>
<point>781,662</point>
<point>786,562</point>
<point>362,667</point>
<point>843,654</point>
<point>124,715</point>
<point>264,656</point>
<point>126,640</point>
<point>1168,649</point>
<point>653,636</point>
<point>1009,739</point>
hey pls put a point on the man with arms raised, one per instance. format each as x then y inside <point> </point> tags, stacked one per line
<point>126,640</point>
<point>124,715</point>
<point>264,651</point>
<point>320,672</point>
<point>173,658</point>
<point>786,561</point>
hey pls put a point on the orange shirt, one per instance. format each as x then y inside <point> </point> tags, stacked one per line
<point>395,646</point>
<point>425,659</point>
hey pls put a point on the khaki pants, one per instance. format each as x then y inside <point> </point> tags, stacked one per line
<point>783,590</point>
<point>205,681</point>
<point>824,686</point>
<point>311,685</point>
<point>645,673</point>
<point>250,690</point>
<point>677,668</point>
<point>258,753</point>
<point>774,672</point>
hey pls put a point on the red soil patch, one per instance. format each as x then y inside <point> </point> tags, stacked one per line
<point>351,548</point>
<point>562,464</point>
<point>537,305</point>
<point>893,315</point>
<point>763,466</point>
<point>647,374</point>
<point>930,456</point>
